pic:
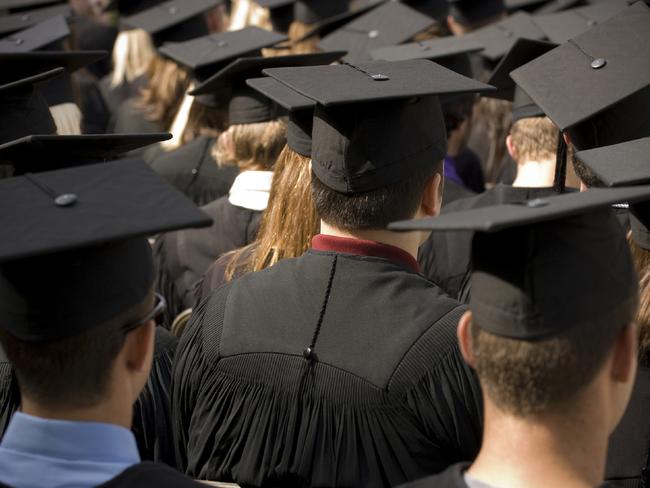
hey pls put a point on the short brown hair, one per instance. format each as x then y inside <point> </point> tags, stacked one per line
<point>534,138</point>
<point>72,372</point>
<point>251,146</point>
<point>527,378</point>
<point>374,209</point>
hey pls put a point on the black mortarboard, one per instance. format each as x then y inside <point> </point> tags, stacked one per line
<point>557,6</point>
<point>528,5</point>
<point>498,38</point>
<point>359,146</point>
<point>562,26</point>
<point>388,24</point>
<point>78,255</point>
<point>530,259</point>
<point>247,106</point>
<point>23,20</point>
<point>36,153</point>
<point>436,9</point>
<point>473,11</point>
<point>300,108</point>
<point>522,52</point>
<point>19,5</point>
<point>131,7</point>
<point>596,86</point>
<point>24,110</point>
<point>174,20</point>
<point>432,49</point>
<point>314,11</point>
<point>281,13</point>
<point>38,36</point>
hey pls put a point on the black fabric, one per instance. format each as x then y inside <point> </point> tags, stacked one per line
<point>192,170</point>
<point>183,257</point>
<point>215,276</point>
<point>152,418</point>
<point>22,20</point>
<point>130,119</point>
<point>452,477</point>
<point>24,112</point>
<point>149,475</point>
<point>446,256</point>
<point>452,191</point>
<point>629,446</point>
<point>385,397</point>
<point>95,114</point>
<point>469,168</point>
<point>116,96</point>
<point>499,37</point>
<point>9,392</point>
<point>471,11</point>
<point>313,11</point>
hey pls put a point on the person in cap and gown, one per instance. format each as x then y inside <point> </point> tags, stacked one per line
<point>283,354</point>
<point>556,363</point>
<point>82,350</point>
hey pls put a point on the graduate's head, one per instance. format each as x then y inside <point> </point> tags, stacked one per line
<point>533,139</point>
<point>252,147</point>
<point>641,256</point>
<point>468,15</point>
<point>77,306</point>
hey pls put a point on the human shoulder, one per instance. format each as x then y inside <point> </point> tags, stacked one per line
<point>452,477</point>
<point>145,475</point>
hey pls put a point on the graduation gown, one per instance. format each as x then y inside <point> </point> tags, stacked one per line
<point>151,412</point>
<point>116,96</point>
<point>130,119</point>
<point>470,170</point>
<point>452,477</point>
<point>445,256</point>
<point>95,113</point>
<point>147,475</point>
<point>183,256</point>
<point>628,456</point>
<point>383,398</point>
<point>193,171</point>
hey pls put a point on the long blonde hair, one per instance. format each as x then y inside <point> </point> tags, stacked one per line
<point>67,118</point>
<point>133,52</point>
<point>288,223</point>
<point>641,259</point>
<point>244,13</point>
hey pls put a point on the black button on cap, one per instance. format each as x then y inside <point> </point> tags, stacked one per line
<point>598,63</point>
<point>536,203</point>
<point>308,353</point>
<point>65,200</point>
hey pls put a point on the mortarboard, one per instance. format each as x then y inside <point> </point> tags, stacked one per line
<point>473,11</point>
<point>23,20</point>
<point>131,7</point>
<point>597,85</point>
<point>18,5</point>
<point>530,259</point>
<point>36,153</point>
<point>522,52</point>
<point>369,114</point>
<point>314,11</point>
<point>300,108</point>
<point>562,26</point>
<point>388,24</point>
<point>557,6</point>
<point>528,5</point>
<point>436,9</point>
<point>499,37</point>
<point>281,13</point>
<point>174,20</point>
<point>83,229</point>
<point>38,36</point>
<point>432,49</point>
<point>247,106</point>
<point>24,110</point>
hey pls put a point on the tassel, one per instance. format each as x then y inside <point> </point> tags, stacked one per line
<point>560,165</point>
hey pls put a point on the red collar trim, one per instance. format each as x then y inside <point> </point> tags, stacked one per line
<point>360,247</point>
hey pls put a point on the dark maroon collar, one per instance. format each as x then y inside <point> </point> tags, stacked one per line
<point>360,247</point>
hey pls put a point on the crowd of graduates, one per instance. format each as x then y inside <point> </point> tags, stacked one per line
<point>325,243</point>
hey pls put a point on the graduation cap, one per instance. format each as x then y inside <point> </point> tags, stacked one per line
<point>23,20</point>
<point>562,26</point>
<point>436,9</point>
<point>597,85</point>
<point>314,11</point>
<point>281,13</point>
<point>370,115</point>
<point>39,36</point>
<point>174,20</point>
<point>36,153</point>
<point>83,229</point>
<point>247,106</point>
<point>388,24</point>
<point>530,259</point>
<point>498,38</point>
<point>300,108</point>
<point>18,5</point>
<point>557,6</point>
<point>475,11</point>
<point>433,49</point>
<point>528,5</point>
<point>522,52</point>
<point>131,7</point>
<point>24,110</point>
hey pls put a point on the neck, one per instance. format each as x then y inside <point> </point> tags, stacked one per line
<point>535,174</point>
<point>407,241</point>
<point>561,450</point>
<point>109,411</point>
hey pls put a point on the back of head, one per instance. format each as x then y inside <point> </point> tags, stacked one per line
<point>534,139</point>
<point>252,147</point>
<point>133,52</point>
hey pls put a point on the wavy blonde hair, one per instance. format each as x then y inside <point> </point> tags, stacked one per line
<point>288,223</point>
<point>67,118</point>
<point>308,46</point>
<point>641,259</point>
<point>244,13</point>
<point>535,138</point>
<point>252,147</point>
<point>133,52</point>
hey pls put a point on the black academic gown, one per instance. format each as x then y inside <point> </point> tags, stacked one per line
<point>384,398</point>
<point>193,171</point>
<point>452,477</point>
<point>628,456</point>
<point>95,115</point>
<point>116,96</point>
<point>445,256</point>
<point>452,191</point>
<point>151,412</point>
<point>130,119</point>
<point>183,256</point>
<point>469,168</point>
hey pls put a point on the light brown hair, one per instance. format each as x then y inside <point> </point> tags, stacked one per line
<point>535,139</point>
<point>496,116</point>
<point>307,46</point>
<point>288,223</point>
<point>252,147</point>
<point>641,259</point>
<point>204,121</point>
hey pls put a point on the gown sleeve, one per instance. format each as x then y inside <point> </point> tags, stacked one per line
<point>9,393</point>
<point>165,283</point>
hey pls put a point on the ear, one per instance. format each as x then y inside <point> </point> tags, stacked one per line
<point>512,150</point>
<point>139,348</point>
<point>432,196</point>
<point>567,138</point>
<point>464,332</point>
<point>624,355</point>
<point>455,28</point>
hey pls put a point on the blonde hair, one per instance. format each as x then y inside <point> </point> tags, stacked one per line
<point>67,118</point>
<point>288,223</point>
<point>252,147</point>
<point>641,259</point>
<point>133,52</point>
<point>245,13</point>
<point>535,139</point>
<point>167,85</point>
<point>296,31</point>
